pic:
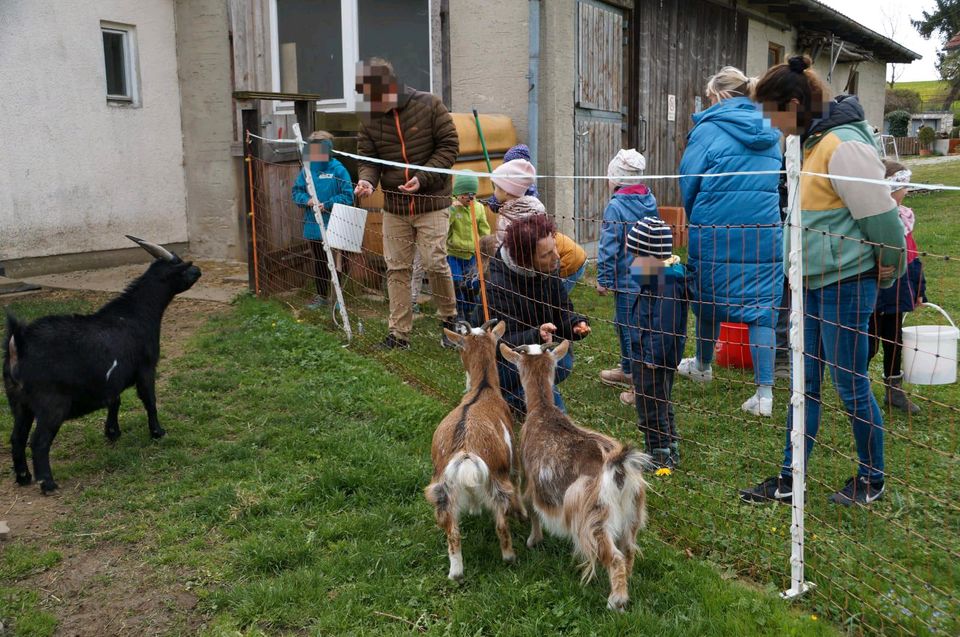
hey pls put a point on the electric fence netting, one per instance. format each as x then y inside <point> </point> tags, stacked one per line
<point>891,567</point>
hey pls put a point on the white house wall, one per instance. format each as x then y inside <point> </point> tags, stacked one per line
<point>489,58</point>
<point>759,37</point>
<point>871,87</point>
<point>79,172</point>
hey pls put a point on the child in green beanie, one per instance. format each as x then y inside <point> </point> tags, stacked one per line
<point>460,240</point>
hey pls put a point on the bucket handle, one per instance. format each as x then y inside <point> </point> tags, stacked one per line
<point>942,311</point>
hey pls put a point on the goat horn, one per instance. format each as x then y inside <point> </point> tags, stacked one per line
<point>486,327</point>
<point>156,251</point>
<point>522,349</point>
<point>552,345</point>
<point>463,327</point>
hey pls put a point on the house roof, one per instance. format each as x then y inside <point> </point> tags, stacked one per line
<point>814,15</point>
<point>952,43</point>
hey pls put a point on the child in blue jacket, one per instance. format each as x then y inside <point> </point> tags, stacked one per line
<point>661,315</point>
<point>333,185</point>
<point>630,202</point>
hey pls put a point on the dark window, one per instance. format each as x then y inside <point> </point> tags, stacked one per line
<point>399,31</point>
<point>313,28</point>
<point>774,54</point>
<point>853,83</point>
<point>115,62</point>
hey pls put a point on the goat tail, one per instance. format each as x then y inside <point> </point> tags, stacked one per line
<point>13,344</point>
<point>622,476</point>
<point>466,470</point>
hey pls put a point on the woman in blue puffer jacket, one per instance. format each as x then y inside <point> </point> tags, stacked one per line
<point>735,256</point>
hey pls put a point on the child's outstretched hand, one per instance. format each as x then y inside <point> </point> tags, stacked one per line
<point>581,328</point>
<point>546,332</point>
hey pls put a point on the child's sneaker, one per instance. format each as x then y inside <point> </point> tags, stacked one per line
<point>758,406</point>
<point>616,377</point>
<point>318,303</point>
<point>689,369</point>
<point>663,459</point>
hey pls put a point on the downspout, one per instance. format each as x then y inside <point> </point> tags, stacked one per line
<point>533,76</point>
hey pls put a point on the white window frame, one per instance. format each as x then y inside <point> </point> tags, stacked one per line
<point>130,63</point>
<point>350,51</point>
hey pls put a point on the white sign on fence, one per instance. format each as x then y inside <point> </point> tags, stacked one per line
<point>345,231</point>
<point>671,108</point>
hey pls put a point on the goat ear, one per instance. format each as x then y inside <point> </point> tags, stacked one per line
<point>509,354</point>
<point>456,337</point>
<point>499,329</point>
<point>560,350</point>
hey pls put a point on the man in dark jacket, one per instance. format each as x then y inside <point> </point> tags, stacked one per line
<point>524,290</point>
<point>411,127</point>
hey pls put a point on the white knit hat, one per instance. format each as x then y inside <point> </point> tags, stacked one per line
<point>626,167</point>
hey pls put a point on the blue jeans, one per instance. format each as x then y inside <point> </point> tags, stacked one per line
<point>762,342</point>
<point>461,270</point>
<point>513,391</point>
<point>836,334</point>
<point>571,280</point>
<point>626,323</point>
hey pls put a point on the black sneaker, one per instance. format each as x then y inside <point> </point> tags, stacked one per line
<point>858,490</point>
<point>775,489</point>
<point>444,340</point>
<point>392,342</point>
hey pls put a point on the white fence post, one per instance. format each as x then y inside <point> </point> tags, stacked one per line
<point>312,191</point>
<point>798,435</point>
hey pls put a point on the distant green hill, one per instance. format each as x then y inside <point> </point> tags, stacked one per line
<point>932,92</point>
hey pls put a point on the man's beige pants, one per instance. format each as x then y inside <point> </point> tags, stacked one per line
<point>427,234</point>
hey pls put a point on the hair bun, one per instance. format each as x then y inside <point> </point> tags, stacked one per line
<point>799,63</point>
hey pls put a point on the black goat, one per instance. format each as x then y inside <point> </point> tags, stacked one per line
<point>63,367</point>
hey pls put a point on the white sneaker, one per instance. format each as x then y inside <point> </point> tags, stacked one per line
<point>688,368</point>
<point>758,406</point>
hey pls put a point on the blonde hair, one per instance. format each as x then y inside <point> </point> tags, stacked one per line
<point>730,82</point>
<point>319,136</point>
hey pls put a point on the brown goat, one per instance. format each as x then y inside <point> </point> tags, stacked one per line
<point>582,484</point>
<point>473,455</point>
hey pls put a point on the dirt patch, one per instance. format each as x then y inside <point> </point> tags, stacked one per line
<point>103,590</point>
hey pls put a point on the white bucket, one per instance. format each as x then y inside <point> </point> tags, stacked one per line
<point>930,352</point>
<point>345,231</point>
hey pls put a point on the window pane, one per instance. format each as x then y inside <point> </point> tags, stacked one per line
<point>311,31</point>
<point>115,63</point>
<point>398,30</point>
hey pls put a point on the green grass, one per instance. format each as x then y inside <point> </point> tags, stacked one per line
<point>932,93</point>
<point>290,489</point>
<point>287,494</point>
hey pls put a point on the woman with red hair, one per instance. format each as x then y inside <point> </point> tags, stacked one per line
<point>524,289</point>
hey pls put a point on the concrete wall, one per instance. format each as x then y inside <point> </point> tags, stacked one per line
<point>759,37</point>
<point>489,58</point>
<point>80,173</point>
<point>871,87</point>
<point>213,193</point>
<point>558,75</point>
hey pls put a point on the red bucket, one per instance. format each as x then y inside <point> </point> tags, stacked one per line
<point>733,346</point>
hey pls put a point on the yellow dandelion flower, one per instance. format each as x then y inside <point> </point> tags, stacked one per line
<point>663,471</point>
<point>813,617</point>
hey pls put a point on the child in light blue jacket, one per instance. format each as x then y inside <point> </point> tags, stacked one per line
<point>333,185</point>
<point>631,202</point>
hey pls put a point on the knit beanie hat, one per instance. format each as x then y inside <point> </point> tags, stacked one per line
<point>514,176</point>
<point>626,167</point>
<point>463,184</point>
<point>650,237</point>
<point>520,151</point>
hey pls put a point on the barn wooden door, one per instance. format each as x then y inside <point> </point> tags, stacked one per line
<point>681,44</point>
<point>600,114</point>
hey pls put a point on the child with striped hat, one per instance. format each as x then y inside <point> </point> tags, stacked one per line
<point>661,314</point>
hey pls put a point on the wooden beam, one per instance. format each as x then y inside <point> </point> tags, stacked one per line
<point>282,97</point>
